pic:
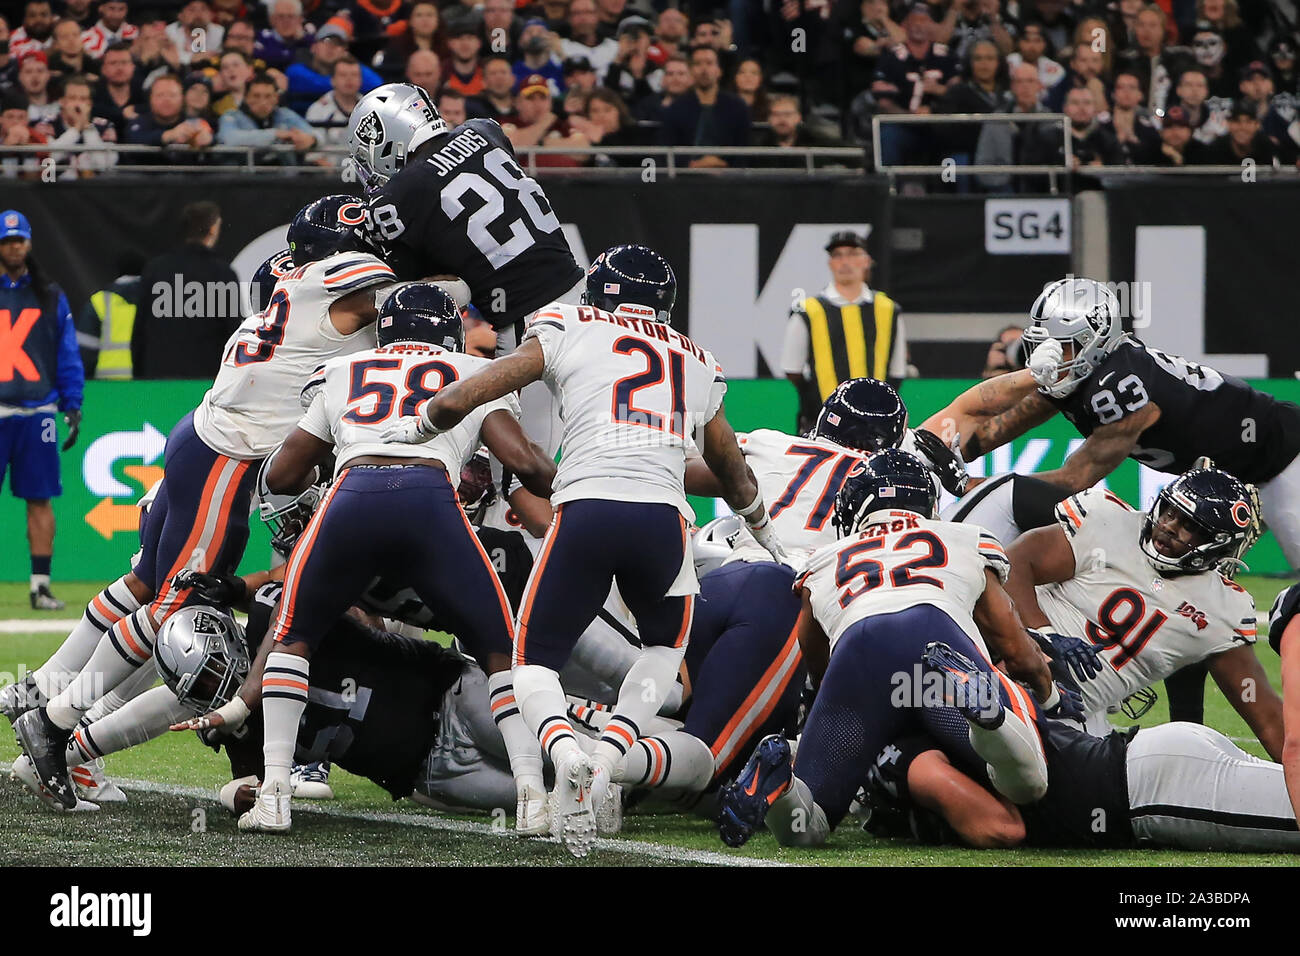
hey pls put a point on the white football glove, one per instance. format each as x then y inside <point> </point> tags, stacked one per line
<point>1045,362</point>
<point>408,430</point>
<point>765,535</point>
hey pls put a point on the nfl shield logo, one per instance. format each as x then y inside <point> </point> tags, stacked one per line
<point>11,222</point>
<point>611,288</point>
<point>832,418</point>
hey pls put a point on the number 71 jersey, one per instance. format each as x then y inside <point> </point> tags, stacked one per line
<point>897,561</point>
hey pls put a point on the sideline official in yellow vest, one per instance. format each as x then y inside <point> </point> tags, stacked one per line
<point>848,330</point>
<point>105,323</point>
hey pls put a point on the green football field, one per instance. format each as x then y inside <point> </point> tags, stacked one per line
<point>173,817</point>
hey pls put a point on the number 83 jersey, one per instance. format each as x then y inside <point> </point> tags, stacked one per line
<point>1147,625</point>
<point>1247,432</point>
<point>897,561</point>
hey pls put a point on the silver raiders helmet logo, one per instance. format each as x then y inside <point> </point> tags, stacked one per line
<point>370,130</point>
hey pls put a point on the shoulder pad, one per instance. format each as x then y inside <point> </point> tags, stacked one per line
<point>1285,607</point>
<point>348,271</point>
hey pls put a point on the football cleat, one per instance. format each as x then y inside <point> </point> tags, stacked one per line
<point>93,785</point>
<point>574,822</point>
<point>532,812</point>
<point>609,815</point>
<point>743,803</point>
<point>312,781</point>
<point>44,600</point>
<point>966,687</point>
<point>270,814</point>
<point>25,773</point>
<point>45,744</point>
<point>19,697</point>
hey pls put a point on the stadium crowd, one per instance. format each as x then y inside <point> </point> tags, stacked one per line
<point>1175,82</point>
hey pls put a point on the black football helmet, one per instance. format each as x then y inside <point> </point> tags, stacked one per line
<point>267,275</point>
<point>632,281</point>
<point>421,312</point>
<point>325,226</point>
<point>863,413</point>
<point>1222,511</point>
<point>888,479</point>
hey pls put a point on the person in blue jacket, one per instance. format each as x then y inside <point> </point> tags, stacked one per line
<point>309,81</point>
<point>40,375</point>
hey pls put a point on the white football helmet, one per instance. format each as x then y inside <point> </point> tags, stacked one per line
<point>386,126</point>
<point>1082,313</point>
<point>712,543</point>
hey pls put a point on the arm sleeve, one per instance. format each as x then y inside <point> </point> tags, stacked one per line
<point>72,375</point>
<point>794,351</point>
<point>229,134</point>
<point>316,421</point>
<point>717,392</point>
<point>993,555</point>
<point>548,329</point>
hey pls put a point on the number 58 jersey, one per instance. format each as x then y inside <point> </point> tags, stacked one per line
<point>897,561</point>
<point>254,402</point>
<point>631,394</point>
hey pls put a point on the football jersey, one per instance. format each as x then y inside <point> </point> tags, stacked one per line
<point>897,561</point>
<point>253,403</point>
<point>631,393</point>
<point>1146,625</point>
<point>467,209</point>
<point>357,397</point>
<point>1248,433</point>
<point>1285,607</point>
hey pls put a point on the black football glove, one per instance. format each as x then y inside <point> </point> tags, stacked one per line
<point>223,589</point>
<point>72,418</point>
<point>944,462</point>
<point>1070,706</point>
<point>1076,653</point>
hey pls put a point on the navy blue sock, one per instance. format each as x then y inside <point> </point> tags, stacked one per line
<point>41,564</point>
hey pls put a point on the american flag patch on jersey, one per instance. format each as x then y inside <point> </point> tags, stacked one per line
<point>386,321</point>
<point>889,491</point>
<point>611,288</point>
<point>832,418</point>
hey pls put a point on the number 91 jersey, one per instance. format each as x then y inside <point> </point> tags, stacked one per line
<point>1147,625</point>
<point>1247,432</point>
<point>467,209</point>
<point>897,561</point>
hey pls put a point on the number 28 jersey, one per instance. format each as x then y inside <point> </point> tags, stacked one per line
<point>467,209</point>
<point>631,394</point>
<point>897,561</point>
<point>254,401</point>
<point>1247,432</point>
<point>1147,625</point>
<point>358,396</point>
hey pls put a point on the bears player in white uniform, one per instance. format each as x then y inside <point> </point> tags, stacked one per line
<point>1145,590</point>
<point>900,591</point>
<point>199,519</point>
<point>632,392</point>
<point>351,537</point>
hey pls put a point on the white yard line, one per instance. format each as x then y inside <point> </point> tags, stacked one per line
<point>657,851</point>
<point>38,625</point>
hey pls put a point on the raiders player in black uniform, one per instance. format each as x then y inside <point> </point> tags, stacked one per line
<point>1179,786</point>
<point>1284,638</point>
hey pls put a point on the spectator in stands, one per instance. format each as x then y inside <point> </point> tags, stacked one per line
<point>971,20</point>
<point>80,12</point>
<point>578,75</point>
<point>1193,94</point>
<point>1134,128</point>
<point>609,14</point>
<point>8,62</point>
<point>1085,71</point>
<point>706,115</point>
<point>1244,140</point>
<point>286,38</point>
<point>1256,84</point>
<point>34,81</point>
<point>555,13</point>
<point>786,130</point>
<point>423,32</point>
<point>501,27</point>
<point>632,73</point>
<point>164,124</point>
<point>76,127</point>
<point>1031,48</point>
<point>451,104</point>
<point>36,32</point>
<point>1056,18</point>
<point>983,90</point>
<point>1224,17</point>
<point>671,31</point>
<point>194,33</point>
<point>465,71</point>
<point>823,344</point>
<point>584,40</point>
<point>1177,148</point>
<point>1005,354</point>
<point>241,36</point>
<point>262,121</point>
<point>232,81</point>
<point>67,57</point>
<point>497,98</point>
<point>1148,58</point>
<point>171,343</point>
<point>535,56</point>
<point>111,27</point>
<point>1282,52</point>
<point>16,131</point>
<point>1211,53</point>
<point>534,123</point>
<point>910,79</point>
<point>374,22</point>
<point>1094,33</point>
<point>677,82</point>
<point>1092,144</point>
<point>425,71</point>
<point>310,80</point>
<point>198,99</point>
<point>1019,144</point>
<point>606,121</point>
<point>329,114</point>
<point>715,33</point>
<point>866,36</point>
<point>119,94</point>
<point>748,83</point>
<point>154,52</point>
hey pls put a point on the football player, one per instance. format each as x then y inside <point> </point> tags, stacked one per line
<point>350,538</point>
<point>199,519</point>
<point>632,391</point>
<point>899,594</point>
<point>1284,638</point>
<point>1146,592</point>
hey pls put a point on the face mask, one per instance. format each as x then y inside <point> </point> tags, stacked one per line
<point>1209,51</point>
